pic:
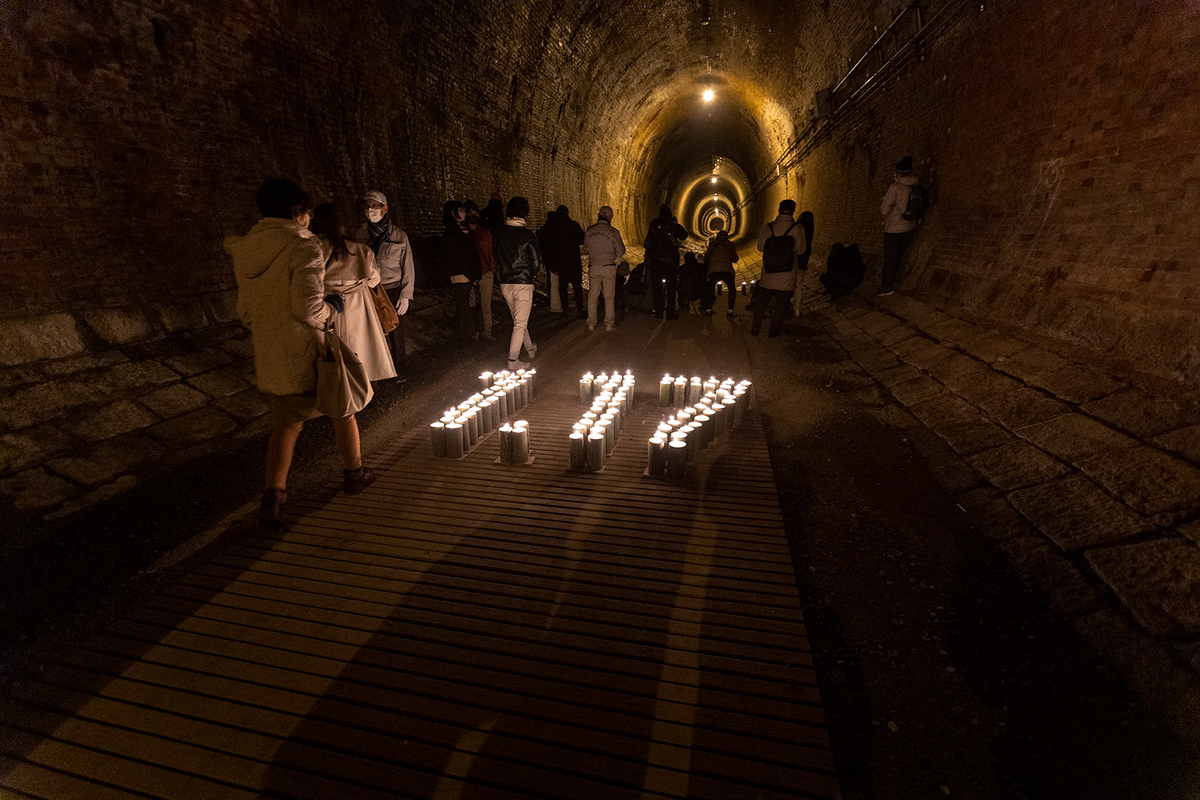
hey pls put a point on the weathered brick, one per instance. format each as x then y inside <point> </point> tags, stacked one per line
<point>1158,485</point>
<point>1059,581</point>
<point>1141,413</point>
<point>32,446</point>
<point>105,462</point>
<point>1022,406</point>
<point>1077,384</point>
<point>38,338</point>
<point>174,400</point>
<point>218,383</point>
<point>1074,437</point>
<point>37,490</point>
<point>111,420</point>
<point>1015,465</point>
<point>123,325</point>
<point>1185,441</point>
<point>193,428</point>
<point>1158,581</point>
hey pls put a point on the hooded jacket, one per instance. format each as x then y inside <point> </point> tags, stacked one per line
<point>894,203</point>
<point>280,273</point>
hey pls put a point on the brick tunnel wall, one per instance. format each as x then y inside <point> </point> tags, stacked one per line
<point>1059,142</point>
<point>134,137</point>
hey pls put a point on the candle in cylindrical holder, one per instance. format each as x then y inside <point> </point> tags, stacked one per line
<point>705,429</point>
<point>618,420</point>
<point>693,440</point>
<point>520,444</point>
<point>510,400</point>
<point>437,437</point>
<point>720,420</point>
<point>676,460</point>
<point>506,444</point>
<point>679,395</point>
<point>610,438</point>
<point>595,451</point>
<point>710,385</point>
<point>585,389</point>
<point>472,427</point>
<point>694,390</point>
<point>454,440</point>
<point>578,451</point>
<point>656,456</point>
<point>485,380</point>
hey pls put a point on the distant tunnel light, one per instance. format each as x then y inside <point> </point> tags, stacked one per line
<point>714,178</point>
<point>709,94</point>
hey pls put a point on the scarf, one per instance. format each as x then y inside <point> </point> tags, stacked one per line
<point>376,233</point>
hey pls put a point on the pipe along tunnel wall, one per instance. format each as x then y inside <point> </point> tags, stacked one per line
<point>1058,141</point>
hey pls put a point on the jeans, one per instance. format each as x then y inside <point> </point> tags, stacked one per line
<point>395,339</point>
<point>663,280</point>
<point>485,302</point>
<point>777,302</point>
<point>894,245</point>
<point>608,285</point>
<point>519,297</point>
<point>710,289</point>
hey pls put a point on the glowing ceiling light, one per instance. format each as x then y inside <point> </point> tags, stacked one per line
<point>714,178</point>
<point>709,94</point>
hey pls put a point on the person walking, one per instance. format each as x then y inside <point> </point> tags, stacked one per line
<point>280,270</point>
<point>897,230</point>
<point>719,259</point>
<point>394,258</point>
<point>605,249</point>
<point>492,216</point>
<point>781,242</point>
<point>351,272</point>
<point>518,261</point>
<point>662,255</point>
<point>487,268</point>
<point>460,259</point>
<point>560,239</point>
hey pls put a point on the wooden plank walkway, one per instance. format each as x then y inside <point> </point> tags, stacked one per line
<point>467,630</point>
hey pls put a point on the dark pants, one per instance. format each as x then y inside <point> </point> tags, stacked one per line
<point>462,311</point>
<point>576,280</point>
<point>395,339</point>
<point>777,302</point>
<point>710,290</point>
<point>663,280</point>
<point>894,245</point>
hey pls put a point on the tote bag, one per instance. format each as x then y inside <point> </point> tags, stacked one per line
<point>389,318</point>
<point>342,384</point>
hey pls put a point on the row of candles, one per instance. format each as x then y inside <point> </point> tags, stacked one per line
<point>691,429</point>
<point>609,399</point>
<point>503,394</point>
<point>680,391</point>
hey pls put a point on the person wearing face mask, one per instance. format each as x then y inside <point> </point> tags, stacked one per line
<point>393,255</point>
<point>280,271</point>
<point>461,262</point>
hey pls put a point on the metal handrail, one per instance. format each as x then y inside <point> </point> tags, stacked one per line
<point>910,7</point>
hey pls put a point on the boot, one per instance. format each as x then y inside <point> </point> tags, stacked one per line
<point>355,480</point>
<point>270,510</point>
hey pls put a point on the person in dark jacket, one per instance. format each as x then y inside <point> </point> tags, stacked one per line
<point>662,256</point>
<point>461,261</point>
<point>560,239</point>
<point>492,216</point>
<point>518,261</point>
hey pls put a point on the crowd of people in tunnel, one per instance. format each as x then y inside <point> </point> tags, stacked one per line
<point>301,276</point>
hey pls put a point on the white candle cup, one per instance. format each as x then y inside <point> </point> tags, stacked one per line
<point>454,440</point>
<point>617,418</point>
<point>595,452</point>
<point>578,451</point>
<point>656,457</point>
<point>694,390</point>
<point>677,460</point>
<point>693,440</point>
<point>472,427</point>
<point>585,390</point>
<point>520,445</point>
<point>664,391</point>
<point>610,437</point>
<point>580,427</point>
<point>591,417</point>
<point>437,437</point>
<point>679,395</point>
<point>705,429</point>
<point>510,400</point>
<point>485,380</point>
<point>720,420</point>
<point>664,429</point>
<point>506,444</point>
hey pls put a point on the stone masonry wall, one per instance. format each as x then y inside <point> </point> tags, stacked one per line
<point>1058,141</point>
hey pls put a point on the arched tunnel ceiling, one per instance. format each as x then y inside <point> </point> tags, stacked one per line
<point>644,75</point>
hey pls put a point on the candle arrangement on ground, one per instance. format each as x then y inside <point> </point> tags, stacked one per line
<point>514,444</point>
<point>704,411</point>
<point>501,396</point>
<point>609,400</point>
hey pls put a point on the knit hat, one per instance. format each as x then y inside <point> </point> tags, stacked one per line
<point>375,196</point>
<point>606,213</point>
<point>904,165</point>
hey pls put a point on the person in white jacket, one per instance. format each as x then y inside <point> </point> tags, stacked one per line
<point>350,271</point>
<point>280,272</point>
<point>604,248</point>
<point>897,231</point>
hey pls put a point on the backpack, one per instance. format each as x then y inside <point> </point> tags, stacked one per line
<point>844,271</point>
<point>779,251</point>
<point>639,279</point>
<point>918,203</point>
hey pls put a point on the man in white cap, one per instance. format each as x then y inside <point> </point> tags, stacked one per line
<point>393,255</point>
<point>604,248</point>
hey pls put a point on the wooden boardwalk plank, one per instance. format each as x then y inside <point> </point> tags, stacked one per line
<point>466,630</point>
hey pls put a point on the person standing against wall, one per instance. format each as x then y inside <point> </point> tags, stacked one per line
<point>781,242</point>
<point>394,258</point>
<point>897,229</point>
<point>605,249</point>
<point>280,272</point>
<point>518,261</point>
<point>460,259</point>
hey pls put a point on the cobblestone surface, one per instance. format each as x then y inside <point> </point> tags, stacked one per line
<point>1090,479</point>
